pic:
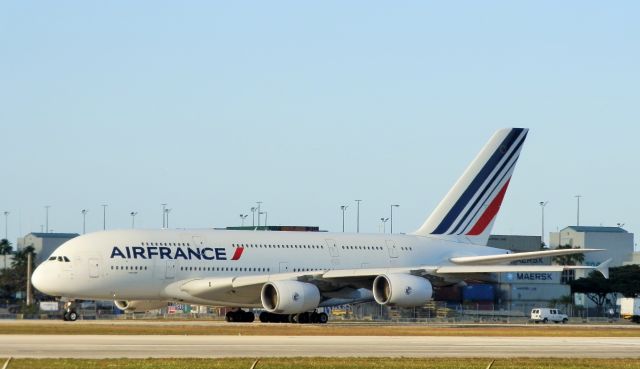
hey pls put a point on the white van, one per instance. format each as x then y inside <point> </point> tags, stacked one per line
<point>547,314</point>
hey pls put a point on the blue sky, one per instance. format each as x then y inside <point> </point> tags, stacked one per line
<point>211,106</point>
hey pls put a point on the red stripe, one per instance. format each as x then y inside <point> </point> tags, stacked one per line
<point>238,253</point>
<point>490,213</point>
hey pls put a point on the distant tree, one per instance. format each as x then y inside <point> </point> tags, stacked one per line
<point>595,287</point>
<point>626,280</point>
<point>572,259</point>
<point>14,279</point>
<point>5,249</point>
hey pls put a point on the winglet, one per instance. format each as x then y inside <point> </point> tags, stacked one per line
<point>603,268</point>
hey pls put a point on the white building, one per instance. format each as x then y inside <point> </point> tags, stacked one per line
<point>44,243</point>
<point>617,243</point>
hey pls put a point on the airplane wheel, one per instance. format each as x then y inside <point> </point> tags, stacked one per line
<point>313,318</point>
<point>72,316</point>
<point>323,318</point>
<point>230,317</point>
<point>303,318</point>
<point>249,317</point>
<point>264,317</point>
<point>293,318</point>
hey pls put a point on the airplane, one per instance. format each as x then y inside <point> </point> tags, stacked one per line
<point>290,275</point>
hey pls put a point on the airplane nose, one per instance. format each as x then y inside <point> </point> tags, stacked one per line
<point>38,279</point>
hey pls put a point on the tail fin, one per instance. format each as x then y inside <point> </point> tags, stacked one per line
<point>468,211</point>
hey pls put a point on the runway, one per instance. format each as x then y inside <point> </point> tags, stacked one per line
<point>154,346</point>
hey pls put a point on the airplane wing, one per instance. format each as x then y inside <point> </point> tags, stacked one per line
<point>505,258</point>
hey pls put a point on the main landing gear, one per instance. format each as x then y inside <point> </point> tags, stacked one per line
<point>70,314</point>
<point>240,316</point>
<point>302,318</point>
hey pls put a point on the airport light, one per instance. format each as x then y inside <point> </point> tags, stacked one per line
<point>104,216</point>
<point>266,215</point>
<point>46,218</point>
<point>393,206</point>
<point>343,208</point>
<point>164,215</point>
<point>358,216</point>
<point>578,210</point>
<point>167,211</point>
<point>384,224</point>
<point>84,220</point>
<point>253,216</point>
<point>6,226</point>
<point>243,217</point>
<point>542,205</point>
<point>133,219</point>
<point>259,212</point>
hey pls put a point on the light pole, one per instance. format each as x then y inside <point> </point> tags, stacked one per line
<point>164,215</point>
<point>6,226</point>
<point>266,215</point>
<point>167,211</point>
<point>133,219</point>
<point>104,217</point>
<point>542,205</point>
<point>358,216</point>
<point>384,224</point>
<point>393,206</point>
<point>343,208</point>
<point>259,212</point>
<point>84,219</point>
<point>578,210</point>
<point>46,218</point>
<point>243,217</point>
<point>253,216</point>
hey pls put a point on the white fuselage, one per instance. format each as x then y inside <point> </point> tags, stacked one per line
<point>153,264</point>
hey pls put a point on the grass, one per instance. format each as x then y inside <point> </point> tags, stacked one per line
<point>257,329</point>
<point>327,363</point>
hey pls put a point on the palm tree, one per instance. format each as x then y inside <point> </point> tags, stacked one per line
<point>572,259</point>
<point>5,249</point>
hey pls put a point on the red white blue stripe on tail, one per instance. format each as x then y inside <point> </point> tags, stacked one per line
<point>470,208</point>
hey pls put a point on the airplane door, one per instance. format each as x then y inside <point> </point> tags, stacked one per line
<point>284,267</point>
<point>333,248</point>
<point>94,268</point>
<point>170,269</point>
<point>392,248</point>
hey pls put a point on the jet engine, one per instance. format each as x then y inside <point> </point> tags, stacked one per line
<point>289,297</point>
<point>139,305</point>
<point>401,289</point>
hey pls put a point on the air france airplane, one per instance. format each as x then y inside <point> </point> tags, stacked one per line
<point>291,274</point>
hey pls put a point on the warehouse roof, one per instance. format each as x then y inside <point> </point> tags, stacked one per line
<point>591,229</point>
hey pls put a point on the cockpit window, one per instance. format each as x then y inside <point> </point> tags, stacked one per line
<point>66,259</point>
<point>52,258</point>
<point>59,258</point>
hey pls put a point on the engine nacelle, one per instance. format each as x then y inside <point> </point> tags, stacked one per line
<point>289,297</point>
<point>139,305</point>
<point>401,289</point>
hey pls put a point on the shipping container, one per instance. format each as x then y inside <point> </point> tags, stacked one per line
<point>448,293</point>
<point>528,292</point>
<point>478,292</point>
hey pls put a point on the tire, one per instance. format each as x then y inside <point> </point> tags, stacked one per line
<point>323,318</point>
<point>249,317</point>
<point>565,320</point>
<point>303,318</point>
<point>230,317</point>
<point>264,317</point>
<point>313,318</point>
<point>545,320</point>
<point>65,316</point>
<point>72,316</point>
<point>293,318</point>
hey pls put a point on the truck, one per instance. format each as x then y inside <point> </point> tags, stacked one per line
<point>629,307</point>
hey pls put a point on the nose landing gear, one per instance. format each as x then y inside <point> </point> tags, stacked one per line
<point>70,314</point>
